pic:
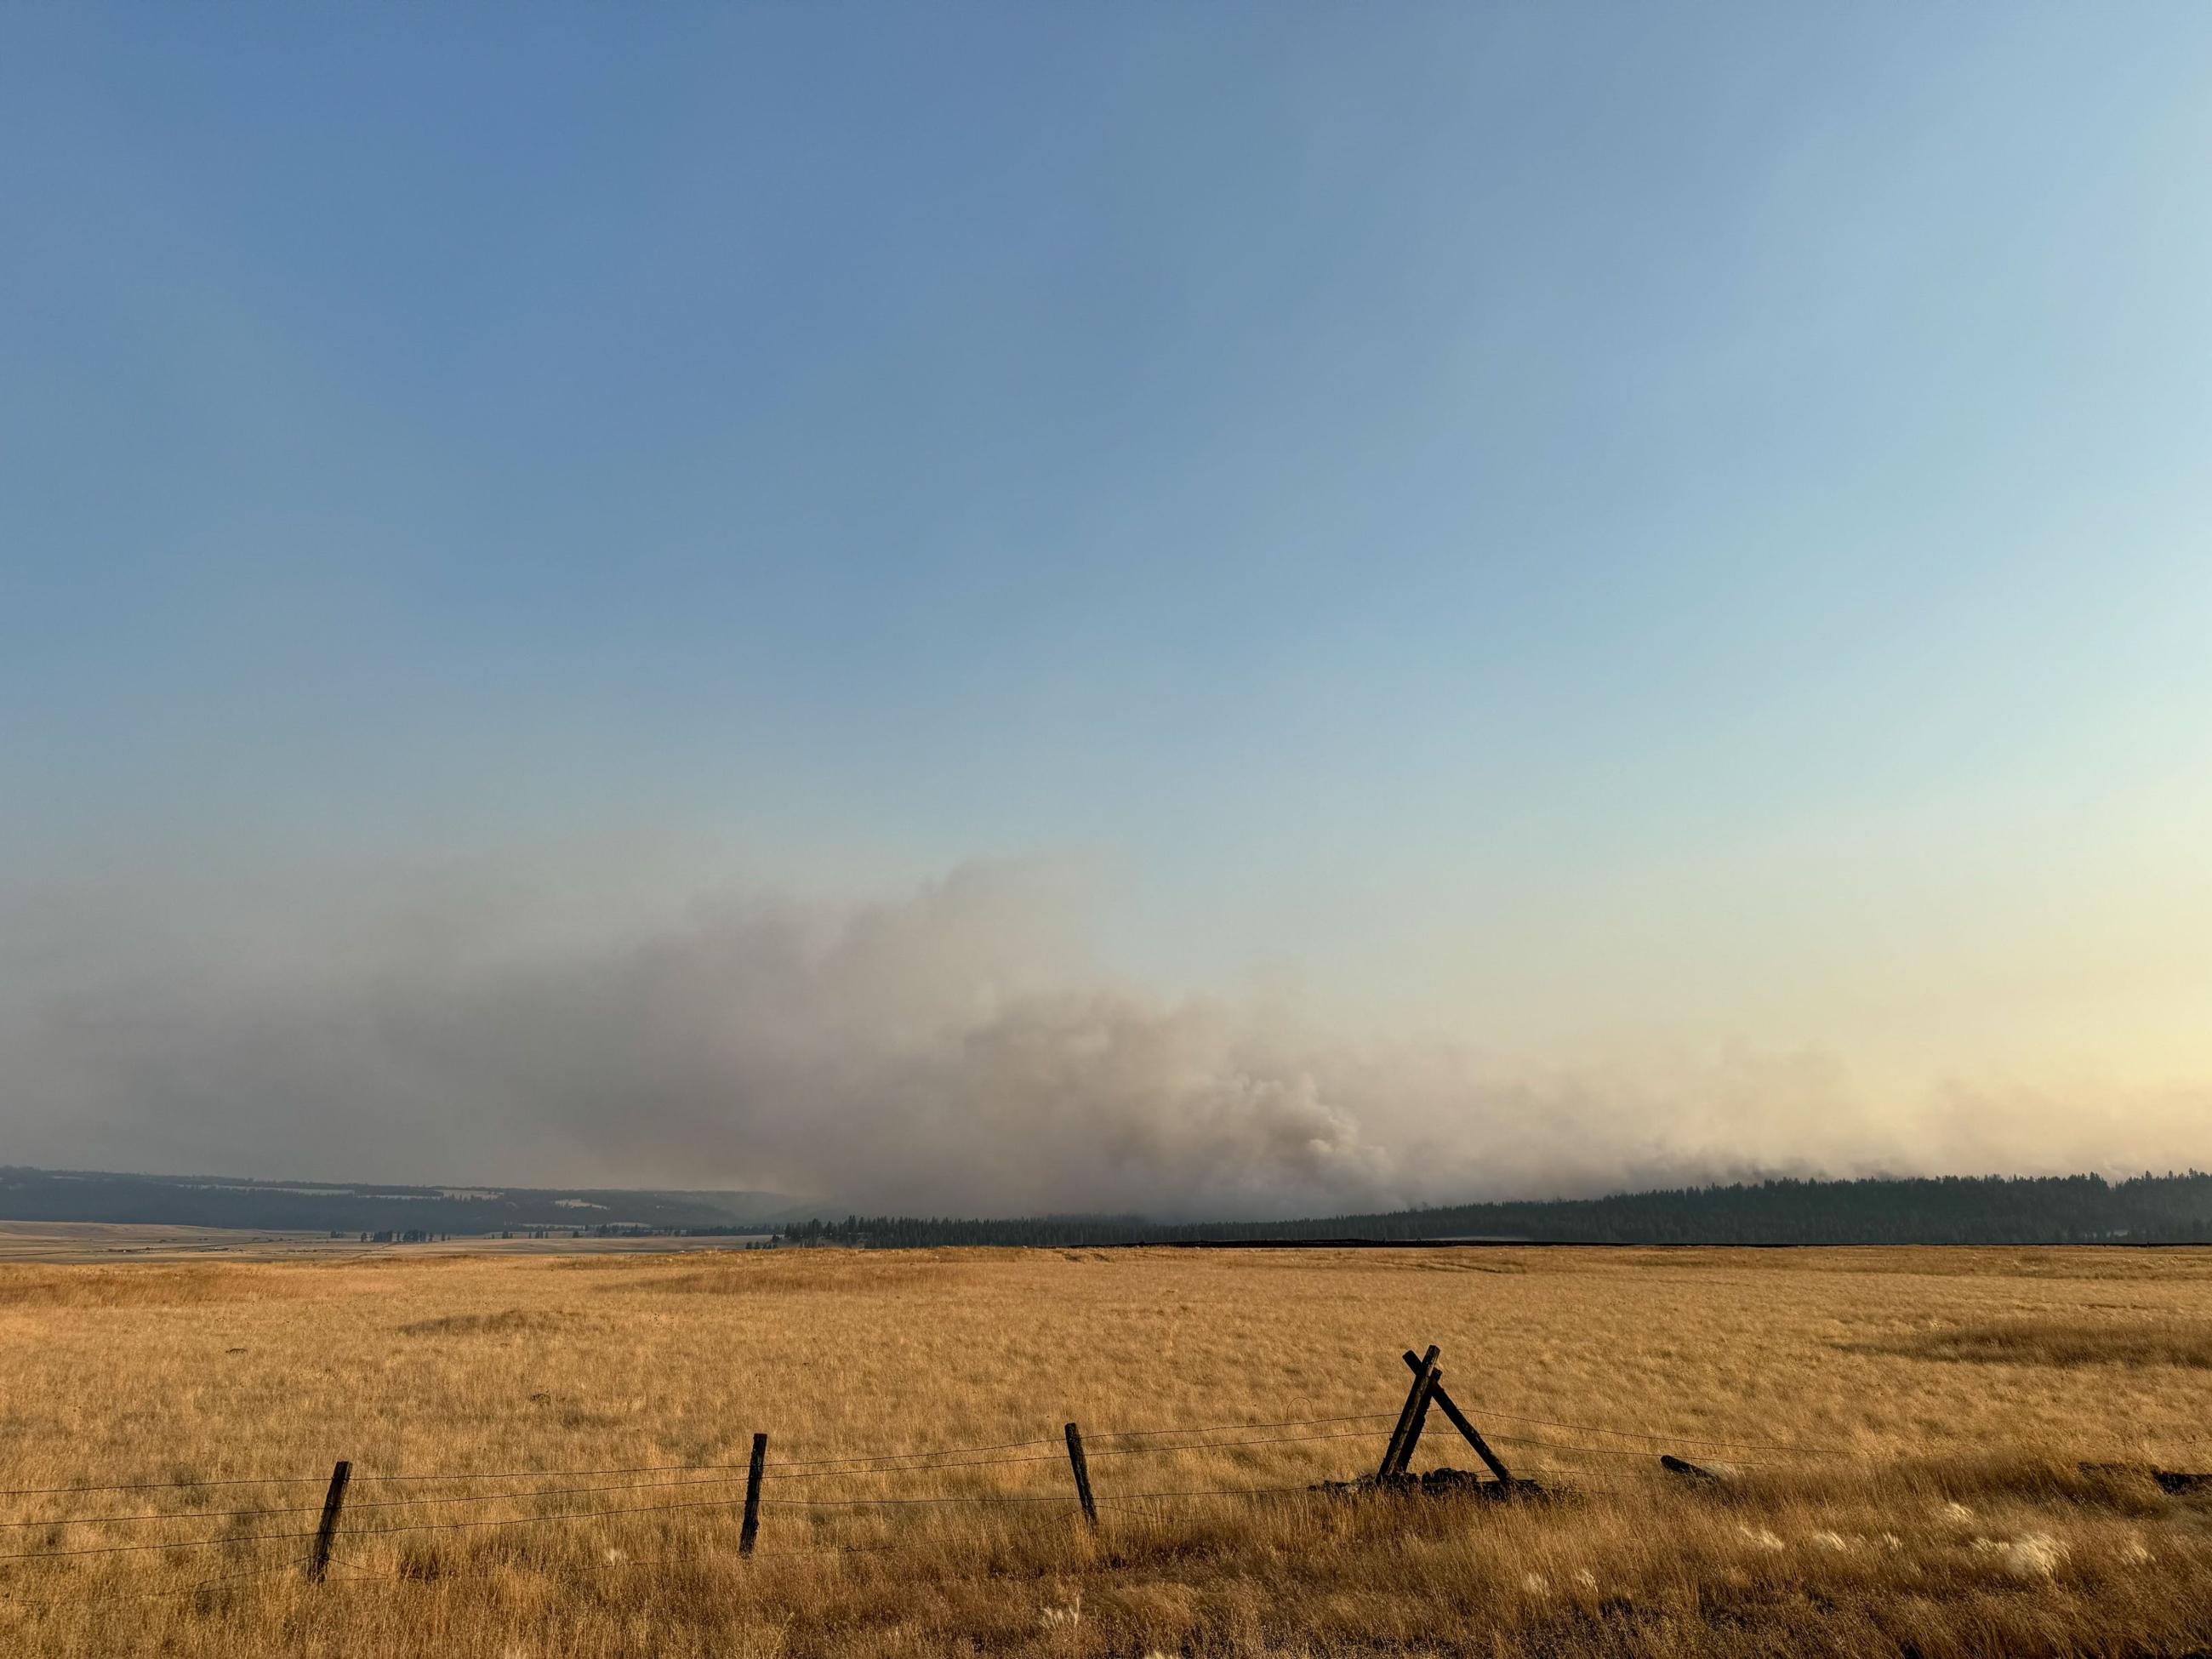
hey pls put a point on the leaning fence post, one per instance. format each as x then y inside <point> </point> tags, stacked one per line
<point>750,1530</point>
<point>1432,1379</point>
<point>1417,1401</point>
<point>326,1530</point>
<point>1082,1474</point>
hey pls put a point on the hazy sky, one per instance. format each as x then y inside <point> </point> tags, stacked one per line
<point>1648,566</point>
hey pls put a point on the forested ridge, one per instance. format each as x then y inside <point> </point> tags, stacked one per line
<point>1942,1210</point>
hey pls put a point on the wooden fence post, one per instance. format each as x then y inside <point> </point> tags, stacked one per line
<point>326,1530</point>
<point>1417,1401</point>
<point>750,1530</point>
<point>1082,1474</point>
<point>1429,1381</point>
<point>1459,1421</point>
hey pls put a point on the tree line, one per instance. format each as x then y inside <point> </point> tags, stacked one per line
<point>1939,1210</point>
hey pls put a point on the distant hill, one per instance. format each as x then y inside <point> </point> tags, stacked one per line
<point>1945,1210</point>
<point>28,1194</point>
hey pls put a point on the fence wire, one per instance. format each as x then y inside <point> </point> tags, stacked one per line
<point>1597,1444</point>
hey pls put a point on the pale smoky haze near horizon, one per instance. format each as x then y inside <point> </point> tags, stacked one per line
<point>952,1049</point>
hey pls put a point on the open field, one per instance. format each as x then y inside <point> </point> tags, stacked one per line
<point>1906,1428</point>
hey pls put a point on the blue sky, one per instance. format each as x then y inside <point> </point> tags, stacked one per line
<point>1564,525</point>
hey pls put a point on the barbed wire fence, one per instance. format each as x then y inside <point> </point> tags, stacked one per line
<point>1568,1459</point>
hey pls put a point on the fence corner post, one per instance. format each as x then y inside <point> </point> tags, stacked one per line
<point>1400,1451</point>
<point>750,1530</point>
<point>1076,1462</point>
<point>326,1530</point>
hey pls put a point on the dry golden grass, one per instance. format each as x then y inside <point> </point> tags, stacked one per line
<point>116,1287</point>
<point>1886,1497</point>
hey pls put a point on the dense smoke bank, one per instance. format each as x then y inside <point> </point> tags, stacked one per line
<point>953,1052</point>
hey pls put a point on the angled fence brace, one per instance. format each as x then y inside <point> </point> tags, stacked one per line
<point>1427,1385</point>
<point>1400,1449</point>
<point>1458,1420</point>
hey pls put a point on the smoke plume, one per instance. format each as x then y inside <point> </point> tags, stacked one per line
<point>953,1051</point>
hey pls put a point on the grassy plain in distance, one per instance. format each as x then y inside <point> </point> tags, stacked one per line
<point>1905,1429</point>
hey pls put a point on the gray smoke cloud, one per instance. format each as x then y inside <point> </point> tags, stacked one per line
<point>954,1051</point>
